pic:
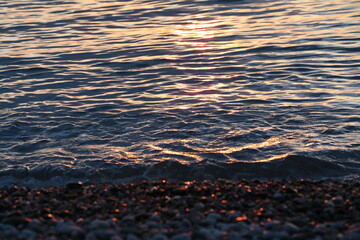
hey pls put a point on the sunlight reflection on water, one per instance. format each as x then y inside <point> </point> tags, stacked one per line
<point>87,85</point>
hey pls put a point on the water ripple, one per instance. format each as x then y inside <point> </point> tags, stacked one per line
<point>132,88</point>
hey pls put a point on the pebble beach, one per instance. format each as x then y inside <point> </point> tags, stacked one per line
<point>162,210</point>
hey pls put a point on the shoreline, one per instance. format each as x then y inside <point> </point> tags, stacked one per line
<point>161,210</point>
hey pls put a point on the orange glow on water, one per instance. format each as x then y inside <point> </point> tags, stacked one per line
<point>200,57</point>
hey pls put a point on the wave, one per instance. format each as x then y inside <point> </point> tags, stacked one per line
<point>289,167</point>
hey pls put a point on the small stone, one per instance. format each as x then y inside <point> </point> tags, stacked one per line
<point>254,231</point>
<point>212,218</point>
<point>199,206</point>
<point>291,228</point>
<point>116,237</point>
<point>241,228</point>
<point>320,228</point>
<point>35,225</point>
<point>101,234</point>
<point>10,232</point>
<point>98,224</point>
<point>186,223</point>
<point>152,224</point>
<point>131,236</point>
<point>210,221</point>
<point>196,216</point>
<point>235,236</point>
<point>128,220</point>
<point>67,228</point>
<point>51,238</point>
<point>181,237</point>
<point>338,200</point>
<point>16,221</point>
<point>216,233</point>
<point>177,197</point>
<point>155,217</point>
<point>269,213</point>
<point>299,222</point>
<point>202,234</point>
<point>318,238</point>
<point>275,235</point>
<point>273,225</point>
<point>338,225</point>
<point>27,234</point>
<point>330,204</point>
<point>159,237</point>
<point>90,236</point>
<point>353,235</point>
<point>225,226</point>
<point>277,195</point>
<point>233,215</point>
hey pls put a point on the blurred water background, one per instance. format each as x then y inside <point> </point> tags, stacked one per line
<point>109,90</point>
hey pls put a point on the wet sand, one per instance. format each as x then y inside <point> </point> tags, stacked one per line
<point>161,210</point>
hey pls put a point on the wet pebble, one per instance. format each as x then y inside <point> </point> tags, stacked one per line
<point>27,234</point>
<point>275,235</point>
<point>159,237</point>
<point>206,210</point>
<point>273,225</point>
<point>181,237</point>
<point>68,228</point>
<point>212,218</point>
<point>291,228</point>
<point>9,231</point>
<point>203,234</point>
<point>277,195</point>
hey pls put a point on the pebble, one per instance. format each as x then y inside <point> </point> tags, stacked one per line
<point>235,236</point>
<point>90,236</point>
<point>352,235</point>
<point>275,235</point>
<point>10,232</point>
<point>320,228</point>
<point>68,228</point>
<point>273,225</point>
<point>212,218</point>
<point>205,210</point>
<point>104,234</point>
<point>27,234</point>
<point>152,224</point>
<point>203,234</point>
<point>131,236</point>
<point>116,237</point>
<point>98,224</point>
<point>338,200</point>
<point>277,195</point>
<point>181,237</point>
<point>291,228</point>
<point>232,216</point>
<point>159,237</point>
<point>155,217</point>
<point>186,223</point>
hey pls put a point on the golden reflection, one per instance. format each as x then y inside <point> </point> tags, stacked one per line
<point>121,152</point>
<point>197,35</point>
<point>178,153</point>
<point>197,43</point>
<point>224,150</point>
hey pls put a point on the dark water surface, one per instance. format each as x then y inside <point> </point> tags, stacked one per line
<point>108,90</point>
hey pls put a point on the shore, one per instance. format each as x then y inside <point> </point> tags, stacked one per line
<point>162,210</point>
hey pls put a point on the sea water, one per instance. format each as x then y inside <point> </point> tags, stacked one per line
<point>110,90</point>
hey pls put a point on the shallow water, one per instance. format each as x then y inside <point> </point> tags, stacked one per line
<point>119,90</point>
